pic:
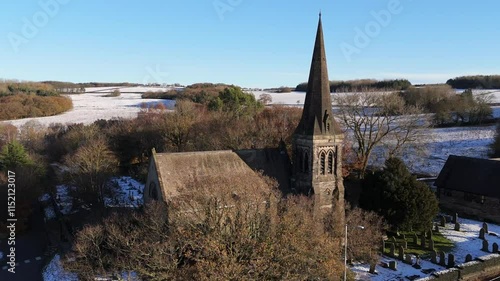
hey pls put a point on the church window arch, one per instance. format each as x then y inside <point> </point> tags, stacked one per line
<point>322,160</point>
<point>335,160</point>
<point>330,162</point>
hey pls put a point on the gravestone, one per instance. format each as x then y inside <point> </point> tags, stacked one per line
<point>486,246</point>
<point>431,245</point>
<point>434,257</point>
<point>468,258</point>
<point>481,233</point>
<point>405,244</point>
<point>417,263</point>
<point>442,220</point>
<point>393,240</point>
<point>401,253</point>
<point>392,253</point>
<point>451,260</point>
<point>436,228</point>
<point>485,227</point>
<point>393,265</point>
<point>415,239</point>
<point>422,240</point>
<point>457,226</point>
<point>455,218</point>
<point>372,267</point>
<point>442,259</point>
<point>408,259</point>
<point>495,248</point>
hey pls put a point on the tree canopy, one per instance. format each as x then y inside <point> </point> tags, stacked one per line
<point>28,99</point>
<point>450,108</point>
<point>394,193</point>
<point>357,85</point>
<point>13,156</point>
<point>475,82</point>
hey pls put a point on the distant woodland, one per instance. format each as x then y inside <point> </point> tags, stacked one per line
<point>215,97</point>
<point>475,82</point>
<point>27,99</point>
<point>358,85</point>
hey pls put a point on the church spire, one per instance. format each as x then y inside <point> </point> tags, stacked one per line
<point>317,115</point>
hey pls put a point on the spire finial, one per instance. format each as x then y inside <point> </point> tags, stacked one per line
<point>319,13</point>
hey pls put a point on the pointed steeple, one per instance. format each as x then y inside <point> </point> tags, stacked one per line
<point>317,118</point>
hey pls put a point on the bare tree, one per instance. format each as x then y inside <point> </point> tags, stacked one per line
<point>365,230</point>
<point>90,168</point>
<point>220,228</point>
<point>374,119</point>
<point>178,125</point>
<point>265,99</point>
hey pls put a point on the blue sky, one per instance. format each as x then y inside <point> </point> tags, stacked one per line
<point>252,43</point>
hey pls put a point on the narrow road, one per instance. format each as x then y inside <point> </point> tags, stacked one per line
<point>30,248</point>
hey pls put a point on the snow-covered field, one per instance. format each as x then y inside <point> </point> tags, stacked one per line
<point>139,89</point>
<point>493,94</point>
<point>90,107</point>
<point>435,145</point>
<point>466,242</point>
<point>297,98</point>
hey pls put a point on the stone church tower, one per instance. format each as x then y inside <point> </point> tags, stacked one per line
<point>317,165</point>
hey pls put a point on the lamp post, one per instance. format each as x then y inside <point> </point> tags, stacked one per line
<point>345,250</point>
<point>345,254</point>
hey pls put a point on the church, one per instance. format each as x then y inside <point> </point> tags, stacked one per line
<point>314,169</point>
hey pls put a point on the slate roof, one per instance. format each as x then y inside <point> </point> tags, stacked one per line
<point>471,175</point>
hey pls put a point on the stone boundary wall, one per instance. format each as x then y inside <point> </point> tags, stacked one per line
<point>481,267</point>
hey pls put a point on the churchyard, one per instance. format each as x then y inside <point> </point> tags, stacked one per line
<point>465,245</point>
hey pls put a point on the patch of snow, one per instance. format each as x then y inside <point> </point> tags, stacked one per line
<point>386,274</point>
<point>64,199</point>
<point>55,272</point>
<point>49,212</point>
<point>467,239</point>
<point>127,192</point>
<point>45,197</point>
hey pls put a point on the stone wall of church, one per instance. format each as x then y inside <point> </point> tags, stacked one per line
<point>152,190</point>
<point>318,166</point>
